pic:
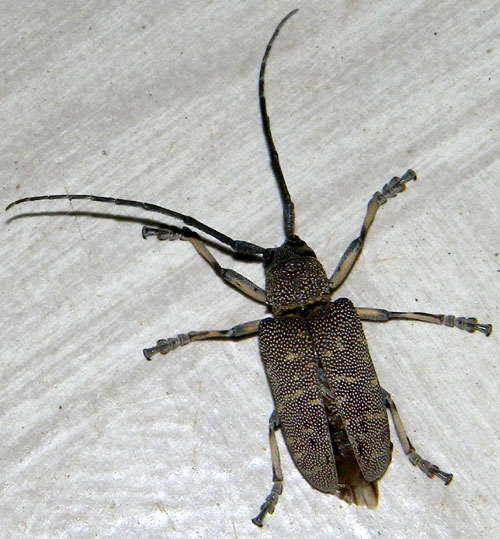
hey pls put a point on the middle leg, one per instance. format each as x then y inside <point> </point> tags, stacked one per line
<point>240,282</point>
<point>381,315</point>
<point>164,346</point>
<point>429,469</point>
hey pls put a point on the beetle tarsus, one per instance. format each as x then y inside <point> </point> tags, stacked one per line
<point>408,176</point>
<point>471,325</point>
<point>467,324</point>
<point>169,234</point>
<point>164,346</point>
<point>270,504</point>
<point>397,185</point>
<point>429,469</point>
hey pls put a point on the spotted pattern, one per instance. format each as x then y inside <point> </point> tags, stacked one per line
<point>296,282</point>
<point>341,347</point>
<point>291,368</point>
<point>294,349</point>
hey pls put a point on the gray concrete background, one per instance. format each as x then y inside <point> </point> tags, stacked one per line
<point>157,101</point>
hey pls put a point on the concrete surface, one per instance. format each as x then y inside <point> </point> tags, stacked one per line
<point>157,101</point>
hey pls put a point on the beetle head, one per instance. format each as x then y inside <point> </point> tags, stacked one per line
<point>295,278</point>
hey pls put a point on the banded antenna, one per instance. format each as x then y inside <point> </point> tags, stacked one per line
<point>288,208</point>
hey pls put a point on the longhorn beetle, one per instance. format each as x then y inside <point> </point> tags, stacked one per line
<point>328,401</point>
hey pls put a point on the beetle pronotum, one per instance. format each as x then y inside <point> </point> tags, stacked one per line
<point>328,401</point>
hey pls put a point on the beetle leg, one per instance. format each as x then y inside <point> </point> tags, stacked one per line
<point>269,504</point>
<point>349,258</point>
<point>429,469</point>
<point>164,346</point>
<point>381,315</point>
<point>230,276</point>
<point>168,233</point>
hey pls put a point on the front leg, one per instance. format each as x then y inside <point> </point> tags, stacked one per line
<point>429,469</point>
<point>349,258</point>
<point>228,275</point>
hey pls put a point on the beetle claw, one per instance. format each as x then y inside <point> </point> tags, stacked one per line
<point>149,352</point>
<point>445,477</point>
<point>431,470</point>
<point>269,505</point>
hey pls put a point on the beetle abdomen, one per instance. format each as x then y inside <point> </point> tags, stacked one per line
<point>353,487</point>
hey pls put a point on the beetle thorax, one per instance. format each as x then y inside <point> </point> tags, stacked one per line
<point>295,278</point>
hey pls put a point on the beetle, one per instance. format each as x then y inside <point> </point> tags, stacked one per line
<point>328,401</point>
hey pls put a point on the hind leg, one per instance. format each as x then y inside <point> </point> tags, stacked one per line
<point>269,504</point>
<point>429,469</point>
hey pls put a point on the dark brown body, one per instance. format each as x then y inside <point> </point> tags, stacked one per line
<point>325,388</point>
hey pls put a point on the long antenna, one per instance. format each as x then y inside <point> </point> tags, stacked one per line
<point>288,208</point>
<point>237,245</point>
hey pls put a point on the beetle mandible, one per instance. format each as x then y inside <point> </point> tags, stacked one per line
<point>329,404</point>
